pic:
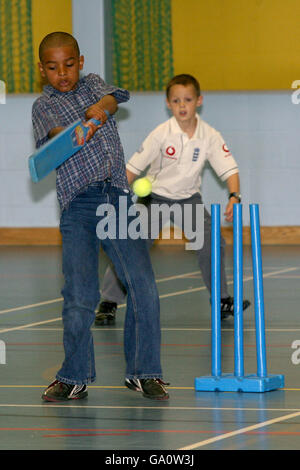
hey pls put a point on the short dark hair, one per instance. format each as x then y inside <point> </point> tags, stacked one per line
<point>57,39</point>
<point>183,79</point>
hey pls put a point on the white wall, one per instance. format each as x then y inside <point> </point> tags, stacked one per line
<point>89,30</point>
<point>261,129</point>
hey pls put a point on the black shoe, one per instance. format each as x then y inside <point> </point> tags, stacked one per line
<point>227,307</point>
<point>106,314</point>
<point>59,391</point>
<point>151,388</point>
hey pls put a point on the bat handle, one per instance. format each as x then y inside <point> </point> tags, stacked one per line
<point>97,123</point>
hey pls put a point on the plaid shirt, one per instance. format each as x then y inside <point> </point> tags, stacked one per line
<point>102,157</point>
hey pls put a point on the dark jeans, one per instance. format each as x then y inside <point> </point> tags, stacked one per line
<point>131,259</point>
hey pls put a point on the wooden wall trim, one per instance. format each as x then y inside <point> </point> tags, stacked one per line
<point>30,236</point>
<point>281,235</point>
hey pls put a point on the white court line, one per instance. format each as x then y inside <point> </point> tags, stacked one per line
<point>60,299</point>
<point>172,294</point>
<point>23,327</point>
<point>164,406</point>
<point>227,435</point>
<point>179,276</point>
<point>25,307</point>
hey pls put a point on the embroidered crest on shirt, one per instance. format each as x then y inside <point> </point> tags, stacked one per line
<point>226,150</point>
<point>170,152</point>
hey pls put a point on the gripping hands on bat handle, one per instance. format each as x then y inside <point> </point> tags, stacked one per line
<point>94,124</point>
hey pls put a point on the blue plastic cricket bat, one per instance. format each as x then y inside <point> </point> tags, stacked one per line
<point>61,147</point>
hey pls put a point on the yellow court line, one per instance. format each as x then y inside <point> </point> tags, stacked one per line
<point>123,387</point>
<point>162,406</point>
<point>90,387</point>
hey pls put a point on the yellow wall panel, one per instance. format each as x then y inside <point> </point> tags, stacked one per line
<point>16,60</point>
<point>49,16</point>
<point>237,44</point>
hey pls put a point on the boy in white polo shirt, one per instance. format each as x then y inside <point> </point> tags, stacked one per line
<point>176,152</point>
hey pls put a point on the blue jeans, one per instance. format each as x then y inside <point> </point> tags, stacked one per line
<point>142,335</point>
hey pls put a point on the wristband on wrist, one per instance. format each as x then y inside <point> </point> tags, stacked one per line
<point>236,196</point>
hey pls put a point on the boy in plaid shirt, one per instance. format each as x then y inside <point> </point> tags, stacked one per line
<point>93,176</point>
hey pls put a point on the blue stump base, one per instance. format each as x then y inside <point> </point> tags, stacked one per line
<point>231,383</point>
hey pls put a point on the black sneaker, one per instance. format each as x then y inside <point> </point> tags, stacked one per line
<point>227,307</point>
<point>106,314</point>
<point>151,388</point>
<point>59,391</point>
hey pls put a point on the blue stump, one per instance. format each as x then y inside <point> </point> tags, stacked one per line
<point>238,381</point>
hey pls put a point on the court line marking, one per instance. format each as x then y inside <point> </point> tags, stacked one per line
<point>192,446</point>
<point>60,299</point>
<point>23,327</point>
<point>172,294</point>
<point>26,307</point>
<point>164,406</point>
<point>31,327</point>
<point>163,296</point>
<point>270,330</point>
<point>237,432</point>
<point>196,289</point>
<point>223,436</point>
<point>121,387</point>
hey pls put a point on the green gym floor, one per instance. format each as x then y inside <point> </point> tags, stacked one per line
<point>115,418</point>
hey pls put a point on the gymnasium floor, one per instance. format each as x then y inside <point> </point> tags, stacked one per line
<point>114,418</point>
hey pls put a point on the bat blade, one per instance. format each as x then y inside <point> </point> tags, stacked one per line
<point>57,150</point>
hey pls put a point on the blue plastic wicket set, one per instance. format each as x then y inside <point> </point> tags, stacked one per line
<point>238,381</point>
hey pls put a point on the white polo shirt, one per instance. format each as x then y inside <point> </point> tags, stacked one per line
<point>176,162</point>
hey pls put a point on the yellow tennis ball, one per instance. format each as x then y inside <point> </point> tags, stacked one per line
<point>142,187</point>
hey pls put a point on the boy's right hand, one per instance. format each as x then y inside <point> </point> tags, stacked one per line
<point>94,112</point>
<point>92,129</point>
